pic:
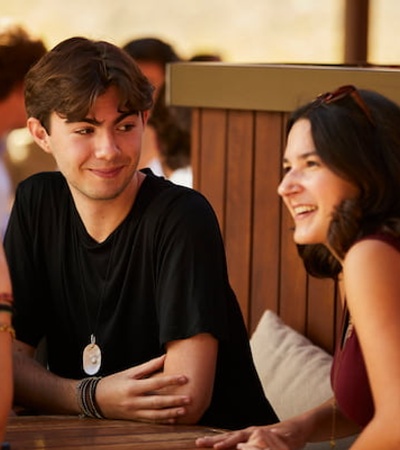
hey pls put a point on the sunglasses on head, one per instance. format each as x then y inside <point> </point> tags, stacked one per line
<point>342,92</point>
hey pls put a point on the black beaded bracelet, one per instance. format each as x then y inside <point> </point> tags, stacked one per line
<point>6,308</point>
<point>86,391</point>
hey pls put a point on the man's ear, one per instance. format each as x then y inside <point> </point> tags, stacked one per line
<point>39,133</point>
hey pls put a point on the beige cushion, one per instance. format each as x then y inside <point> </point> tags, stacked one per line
<point>294,372</point>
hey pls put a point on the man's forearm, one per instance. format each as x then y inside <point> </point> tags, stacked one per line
<point>37,388</point>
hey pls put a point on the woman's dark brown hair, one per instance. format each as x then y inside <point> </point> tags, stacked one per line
<point>362,146</point>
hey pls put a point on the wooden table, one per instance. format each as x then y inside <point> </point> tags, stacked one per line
<point>71,432</point>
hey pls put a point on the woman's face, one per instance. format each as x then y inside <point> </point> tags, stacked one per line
<point>310,190</point>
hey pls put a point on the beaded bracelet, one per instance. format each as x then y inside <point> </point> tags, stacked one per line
<point>6,297</point>
<point>6,308</point>
<point>8,329</point>
<point>86,390</point>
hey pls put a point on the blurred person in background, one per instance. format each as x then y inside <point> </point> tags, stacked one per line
<point>152,55</point>
<point>206,57</point>
<point>18,52</point>
<point>172,129</point>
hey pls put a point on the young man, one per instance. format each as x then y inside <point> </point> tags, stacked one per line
<point>122,272</point>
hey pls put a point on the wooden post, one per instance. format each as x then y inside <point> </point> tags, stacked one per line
<point>356,32</point>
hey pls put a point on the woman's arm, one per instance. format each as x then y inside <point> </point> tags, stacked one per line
<point>314,425</point>
<point>372,283</point>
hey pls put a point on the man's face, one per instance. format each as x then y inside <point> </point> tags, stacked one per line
<point>99,154</point>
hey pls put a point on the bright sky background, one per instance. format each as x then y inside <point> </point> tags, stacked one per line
<point>308,31</point>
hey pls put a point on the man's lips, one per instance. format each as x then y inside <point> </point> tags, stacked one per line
<point>106,172</point>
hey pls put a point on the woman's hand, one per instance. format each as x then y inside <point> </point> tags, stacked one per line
<point>270,439</point>
<point>136,394</point>
<point>225,440</point>
<point>287,435</point>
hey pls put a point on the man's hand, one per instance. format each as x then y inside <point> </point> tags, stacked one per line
<point>134,394</point>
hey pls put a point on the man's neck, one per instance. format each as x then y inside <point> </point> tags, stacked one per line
<point>101,218</point>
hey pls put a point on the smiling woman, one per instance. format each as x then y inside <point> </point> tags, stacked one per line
<point>341,185</point>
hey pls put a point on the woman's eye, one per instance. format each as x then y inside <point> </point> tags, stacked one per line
<point>312,163</point>
<point>286,169</point>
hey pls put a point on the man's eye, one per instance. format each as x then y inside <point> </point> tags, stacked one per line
<point>83,131</point>
<point>126,127</point>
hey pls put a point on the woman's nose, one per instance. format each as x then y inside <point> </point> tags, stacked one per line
<point>289,185</point>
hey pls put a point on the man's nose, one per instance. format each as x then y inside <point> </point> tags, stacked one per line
<point>106,145</point>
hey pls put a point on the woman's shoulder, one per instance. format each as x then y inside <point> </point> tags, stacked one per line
<point>375,250</point>
<point>377,241</point>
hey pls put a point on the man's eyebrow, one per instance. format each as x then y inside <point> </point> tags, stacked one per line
<point>93,121</point>
<point>126,114</point>
<point>86,120</point>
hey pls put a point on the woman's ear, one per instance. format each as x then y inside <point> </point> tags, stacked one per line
<point>39,134</point>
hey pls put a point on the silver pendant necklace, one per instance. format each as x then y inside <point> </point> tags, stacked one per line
<point>91,356</point>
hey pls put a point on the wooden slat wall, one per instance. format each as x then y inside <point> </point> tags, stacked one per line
<point>236,158</point>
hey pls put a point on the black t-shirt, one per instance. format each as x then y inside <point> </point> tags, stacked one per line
<point>160,276</point>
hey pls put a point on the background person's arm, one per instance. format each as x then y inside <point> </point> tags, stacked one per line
<point>6,388</point>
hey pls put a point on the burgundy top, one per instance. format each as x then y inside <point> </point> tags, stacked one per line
<point>349,376</point>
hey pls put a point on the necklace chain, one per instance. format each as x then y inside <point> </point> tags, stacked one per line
<point>92,353</point>
<point>93,329</point>
<point>92,356</point>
